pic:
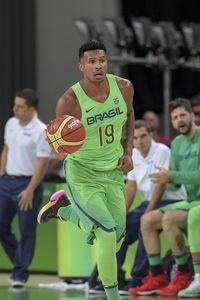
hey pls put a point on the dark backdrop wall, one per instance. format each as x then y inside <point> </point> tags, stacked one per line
<point>17,53</point>
<point>176,10</point>
<point>39,48</point>
<point>148,82</point>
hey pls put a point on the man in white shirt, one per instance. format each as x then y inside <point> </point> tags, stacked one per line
<point>147,154</point>
<point>24,160</point>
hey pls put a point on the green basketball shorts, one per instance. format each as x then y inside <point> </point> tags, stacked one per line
<point>181,205</point>
<point>98,198</point>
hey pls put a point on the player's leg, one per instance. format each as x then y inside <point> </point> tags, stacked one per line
<point>7,213</point>
<point>91,202</point>
<point>114,185</point>
<point>173,226</point>
<point>151,224</point>
<point>141,265</point>
<point>27,226</point>
<point>59,205</point>
<point>193,237</point>
<point>89,199</point>
<point>130,237</point>
<point>106,262</point>
<point>193,289</point>
<point>113,182</point>
<point>87,205</point>
<point>152,246</point>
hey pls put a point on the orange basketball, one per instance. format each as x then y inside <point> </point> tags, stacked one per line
<point>65,134</point>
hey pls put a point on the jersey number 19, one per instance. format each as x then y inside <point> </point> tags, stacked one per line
<point>106,135</point>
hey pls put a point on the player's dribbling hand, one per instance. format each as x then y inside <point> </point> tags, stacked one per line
<point>125,163</point>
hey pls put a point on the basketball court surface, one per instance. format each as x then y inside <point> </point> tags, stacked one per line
<point>33,292</point>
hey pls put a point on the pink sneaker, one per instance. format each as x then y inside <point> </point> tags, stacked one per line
<point>50,210</point>
<point>152,283</point>
<point>180,282</point>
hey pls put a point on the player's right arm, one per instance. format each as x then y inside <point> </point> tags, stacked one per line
<point>68,105</point>
<point>3,160</point>
<point>127,90</point>
<point>129,194</point>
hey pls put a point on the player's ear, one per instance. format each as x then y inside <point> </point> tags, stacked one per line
<point>80,65</point>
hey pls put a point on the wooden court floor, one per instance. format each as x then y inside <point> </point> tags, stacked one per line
<point>33,292</point>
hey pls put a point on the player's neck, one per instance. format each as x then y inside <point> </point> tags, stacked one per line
<point>97,91</point>
<point>25,121</point>
<point>145,153</point>
<point>192,132</point>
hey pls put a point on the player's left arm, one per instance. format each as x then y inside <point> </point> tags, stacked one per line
<point>26,196</point>
<point>127,90</point>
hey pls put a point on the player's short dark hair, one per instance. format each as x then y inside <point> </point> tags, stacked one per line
<point>141,123</point>
<point>92,45</point>
<point>180,102</point>
<point>29,95</point>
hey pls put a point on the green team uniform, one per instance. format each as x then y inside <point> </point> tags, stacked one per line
<point>95,185</point>
<point>193,229</point>
<point>185,163</point>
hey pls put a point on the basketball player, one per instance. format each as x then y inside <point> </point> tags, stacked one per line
<point>24,160</point>
<point>94,174</point>
<point>185,169</point>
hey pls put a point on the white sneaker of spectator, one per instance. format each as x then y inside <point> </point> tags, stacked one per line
<point>193,289</point>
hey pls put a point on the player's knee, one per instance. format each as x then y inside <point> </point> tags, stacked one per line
<point>167,221</point>
<point>146,222</point>
<point>108,237</point>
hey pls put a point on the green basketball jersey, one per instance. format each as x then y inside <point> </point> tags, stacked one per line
<point>103,124</point>
<point>185,163</point>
